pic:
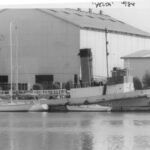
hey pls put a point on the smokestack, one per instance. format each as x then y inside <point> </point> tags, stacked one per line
<point>100,12</point>
<point>90,10</point>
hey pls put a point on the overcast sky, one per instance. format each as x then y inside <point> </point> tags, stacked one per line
<point>137,15</point>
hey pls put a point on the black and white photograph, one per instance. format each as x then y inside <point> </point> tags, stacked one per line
<point>75,75</point>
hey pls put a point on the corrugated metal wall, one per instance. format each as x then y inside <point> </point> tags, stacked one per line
<point>119,45</point>
<point>95,41</point>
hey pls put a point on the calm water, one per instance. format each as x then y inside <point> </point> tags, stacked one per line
<point>74,131</point>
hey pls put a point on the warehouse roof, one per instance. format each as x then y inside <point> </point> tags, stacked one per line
<point>89,20</point>
<point>138,54</point>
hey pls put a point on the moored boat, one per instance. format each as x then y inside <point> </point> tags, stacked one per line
<point>90,108</point>
<point>22,107</point>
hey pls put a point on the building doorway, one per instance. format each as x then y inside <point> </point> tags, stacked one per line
<point>4,82</point>
<point>46,81</point>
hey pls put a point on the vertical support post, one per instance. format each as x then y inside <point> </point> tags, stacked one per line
<point>107,53</point>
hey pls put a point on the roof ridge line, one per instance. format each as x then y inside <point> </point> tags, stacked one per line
<point>49,13</point>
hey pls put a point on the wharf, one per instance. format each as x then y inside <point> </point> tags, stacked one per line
<point>131,101</point>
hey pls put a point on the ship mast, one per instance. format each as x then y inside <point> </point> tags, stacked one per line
<point>16,35</point>
<point>11,64</point>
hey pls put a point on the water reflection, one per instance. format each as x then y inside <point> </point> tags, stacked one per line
<point>112,122</point>
<point>115,142</point>
<point>87,141</point>
<point>142,142</point>
<point>142,122</point>
<point>74,131</point>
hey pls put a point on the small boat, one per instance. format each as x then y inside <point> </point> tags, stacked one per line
<point>22,107</point>
<point>24,102</point>
<point>90,108</point>
<point>19,106</point>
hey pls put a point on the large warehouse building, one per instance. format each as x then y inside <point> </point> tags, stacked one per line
<point>64,44</point>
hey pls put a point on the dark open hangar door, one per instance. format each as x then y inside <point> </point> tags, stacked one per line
<point>44,79</point>
<point>3,79</point>
<point>4,82</point>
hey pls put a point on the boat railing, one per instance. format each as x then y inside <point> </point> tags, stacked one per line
<point>50,94</point>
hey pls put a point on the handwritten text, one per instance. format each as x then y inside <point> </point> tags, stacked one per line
<point>110,4</point>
